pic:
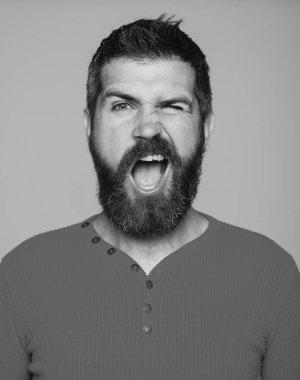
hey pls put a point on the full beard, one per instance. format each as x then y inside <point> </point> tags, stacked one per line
<point>148,216</point>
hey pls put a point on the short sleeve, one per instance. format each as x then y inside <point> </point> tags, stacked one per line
<point>282,359</point>
<point>14,360</point>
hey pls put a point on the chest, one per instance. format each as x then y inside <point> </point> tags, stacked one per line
<point>168,325</point>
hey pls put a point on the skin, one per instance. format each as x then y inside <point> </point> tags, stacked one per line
<point>141,100</point>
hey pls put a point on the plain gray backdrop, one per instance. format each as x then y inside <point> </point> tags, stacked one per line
<point>251,170</point>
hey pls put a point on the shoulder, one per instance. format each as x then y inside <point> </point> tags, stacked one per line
<point>259,245</point>
<point>261,271</point>
<point>254,254</point>
<point>44,250</point>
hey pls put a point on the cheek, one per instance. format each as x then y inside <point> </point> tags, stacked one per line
<point>185,144</point>
<point>112,141</point>
<point>185,136</point>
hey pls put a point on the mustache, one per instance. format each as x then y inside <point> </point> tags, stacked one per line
<point>156,145</point>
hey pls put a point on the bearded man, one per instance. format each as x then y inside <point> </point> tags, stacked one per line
<point>150,288</point>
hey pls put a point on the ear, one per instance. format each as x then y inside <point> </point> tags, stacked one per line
<point>87,122</point>
<point>209,127</point>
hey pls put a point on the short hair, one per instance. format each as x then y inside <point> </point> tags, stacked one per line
<point>151,39</point>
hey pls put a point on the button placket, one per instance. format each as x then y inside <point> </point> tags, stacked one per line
<point>135,267</point>
<point>111,251</point>
<point>147,310</point>
<point>95,239</point>
<point>149,284</point>
<point>147,329</point>
<point>146,307</point>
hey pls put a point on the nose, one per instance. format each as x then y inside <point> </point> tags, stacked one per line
<point>147,125</point>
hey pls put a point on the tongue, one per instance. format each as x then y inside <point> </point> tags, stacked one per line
<point>147,174</point>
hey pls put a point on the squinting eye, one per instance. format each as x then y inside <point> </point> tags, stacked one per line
<point>121,107</point>
<point>177,108</point>
<point>173,108</point>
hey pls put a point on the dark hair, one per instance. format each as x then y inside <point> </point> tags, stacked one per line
<point>151,40</point>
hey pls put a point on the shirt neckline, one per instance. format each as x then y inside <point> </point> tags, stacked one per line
<point>209,235</point>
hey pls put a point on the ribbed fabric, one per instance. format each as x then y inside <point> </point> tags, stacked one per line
<point>226,306</point>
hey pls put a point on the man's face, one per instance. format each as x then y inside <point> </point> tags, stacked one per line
<point>147,144</point>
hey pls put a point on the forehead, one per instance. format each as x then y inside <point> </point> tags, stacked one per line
<point>159,76</point>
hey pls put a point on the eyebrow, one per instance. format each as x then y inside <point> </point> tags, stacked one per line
<point>119,94</point>
<point>122,95</point>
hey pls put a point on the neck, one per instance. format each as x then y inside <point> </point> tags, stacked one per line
<point>194,225</point>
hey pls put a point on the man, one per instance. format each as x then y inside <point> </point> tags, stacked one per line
<point>150,288</point>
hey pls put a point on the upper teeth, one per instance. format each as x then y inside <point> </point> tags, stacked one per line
<point>156,157</point>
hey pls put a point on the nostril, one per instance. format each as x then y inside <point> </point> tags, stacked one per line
<point>148,128</point>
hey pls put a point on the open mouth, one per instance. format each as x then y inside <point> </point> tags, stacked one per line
<point>149,173</point>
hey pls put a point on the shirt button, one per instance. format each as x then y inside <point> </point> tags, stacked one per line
<point>147,329</point>
<point>95,240</point>
<point>85,224</point>
<point>149,284</point>
<point>135,267</point>
<point>147,308</point>
<point>111,251</point>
